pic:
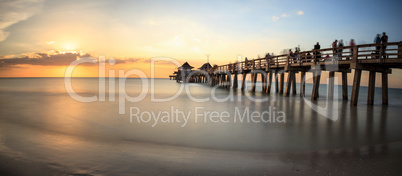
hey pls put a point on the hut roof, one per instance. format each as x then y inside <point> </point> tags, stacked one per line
<point>186,65</point>
<point>205,66</point>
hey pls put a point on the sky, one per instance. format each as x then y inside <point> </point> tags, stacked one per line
<point>39,38</point>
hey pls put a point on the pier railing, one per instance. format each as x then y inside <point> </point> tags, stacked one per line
<point>339,55</point>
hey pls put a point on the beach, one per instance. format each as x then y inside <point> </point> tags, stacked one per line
<point>134,158</point>
<point>44,131</point>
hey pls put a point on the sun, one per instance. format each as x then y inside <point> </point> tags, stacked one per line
<point>69,47</point>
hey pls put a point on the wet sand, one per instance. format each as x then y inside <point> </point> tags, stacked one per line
<point>159,159</point>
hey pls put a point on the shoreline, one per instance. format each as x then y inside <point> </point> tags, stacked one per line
<point>146,158</point>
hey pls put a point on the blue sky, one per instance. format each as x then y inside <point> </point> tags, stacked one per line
<point>120,25</point>
<point>187,30</point>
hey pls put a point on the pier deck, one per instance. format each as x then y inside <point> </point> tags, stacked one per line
<point>358,58</point>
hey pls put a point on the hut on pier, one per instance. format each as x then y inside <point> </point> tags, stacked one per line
<point>206,67</point>
<point>183,72</point>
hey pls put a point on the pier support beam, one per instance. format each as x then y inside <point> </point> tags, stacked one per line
<point>212,80</point>
<point>219,77</point>
<point>302,84</point>
<point>356,87</point>
<point>316,85</point>
<point>344,86</point>
<point>282,77</point>
<point>229,81</point>
<point>253,81</point>
<point>371,88</point>
<point>264,82</point>
<point>225,80</point>
<point>331,85</point>
<point>384,88</point>
<point>294,83</point>
<point>288,83</point>
<point>269,85</point>
<point>243,83</point>
<point>222,80</point>
<point>276,82</point>
<point>235,84</point>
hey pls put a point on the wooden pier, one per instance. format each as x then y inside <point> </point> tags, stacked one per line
<point>172,77</point>
<point>358,58</point>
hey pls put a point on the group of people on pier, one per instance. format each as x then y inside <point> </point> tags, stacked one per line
<point>337,53</point>
<point>381,41</point>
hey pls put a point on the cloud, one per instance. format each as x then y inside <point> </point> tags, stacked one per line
<point>3,35</point>
<point>288,14</point>
<point>300,12</point>
<point>132,60</point>
<point>157,62</point>
<point>275,18</point>
<point>87,59</point>
<point>284,15</point>
<point>41,59</point>
<point>14,11</point>
<point>58,59</point>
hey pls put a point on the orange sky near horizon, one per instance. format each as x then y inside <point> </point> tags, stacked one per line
<point>162,71</point>
<point>27,70</point>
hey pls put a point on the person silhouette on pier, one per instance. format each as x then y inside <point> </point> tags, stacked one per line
<point>377,40</point>
<point>291,55</point>
<point>384,38</point>
<point>340,49</point>
<point>334,46</point>
<point>317,46</point>
<point>296,55</point>
<point>317,54</point>
<point>352,44</point>
<point>267,59</point>
<point>384,41</point>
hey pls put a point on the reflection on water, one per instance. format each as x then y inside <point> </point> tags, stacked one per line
<point>42,122</point>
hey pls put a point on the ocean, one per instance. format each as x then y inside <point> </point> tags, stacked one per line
<point>132,124</point>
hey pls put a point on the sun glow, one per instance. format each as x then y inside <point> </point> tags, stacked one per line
<point>69,46</point>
